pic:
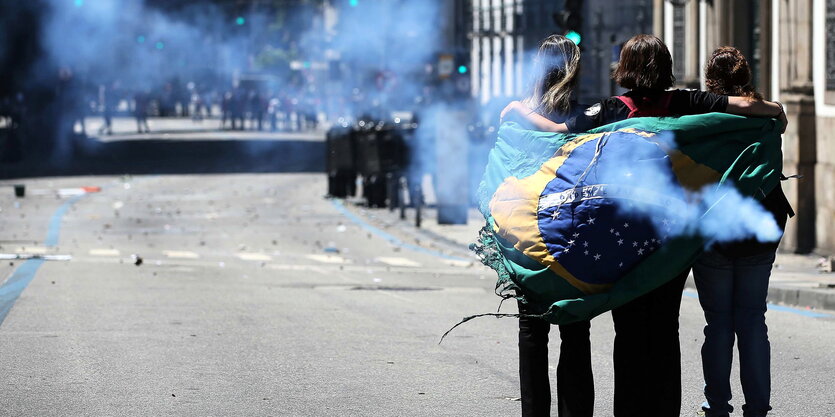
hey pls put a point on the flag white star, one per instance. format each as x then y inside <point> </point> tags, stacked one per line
<point>617,233</point>
<point>585,244</point>
<point>571,242</point>
<point>634,244</point>
<point>586,252</point>
<point>611,230</point>
<point>596,256</point>
<point>640,251</point>
<point>575,235</point>
<point>566,250</point>
<point>646,242</point>
<point>620,265</point>
<point>620,242</point>
<point>591,220</point>
<point>556,215</point>
<point>626,225</point>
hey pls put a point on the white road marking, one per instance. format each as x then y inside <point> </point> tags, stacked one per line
<point>329,259</point>
<point>35,250</point>
<point>104,252</point>
<point>461,264</point>
<point>398,261</point>
<point>247,256</point>
<point>180,254</point>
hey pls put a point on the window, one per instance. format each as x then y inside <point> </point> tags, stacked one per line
<point>830,45</point>
<point>679,41</point>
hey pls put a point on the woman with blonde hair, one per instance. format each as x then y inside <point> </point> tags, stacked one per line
<point>551,95</point>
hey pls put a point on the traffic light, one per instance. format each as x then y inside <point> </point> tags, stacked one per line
<point>570,20</point>
<point>574,37</point>
<point>353,3</point>
<point>462,62</point>
<point>240,21</point>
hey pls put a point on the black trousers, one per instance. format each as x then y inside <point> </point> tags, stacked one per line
<point>575,383</point>
<point>647,355</point>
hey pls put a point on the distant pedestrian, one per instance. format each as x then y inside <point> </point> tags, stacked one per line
<point>197,106</point>
<point>273,109</point>
<point>238,108</point>
<point>226,109</point>
<point>108,102</point>
<point>732,280</point>
<point>141,104</point>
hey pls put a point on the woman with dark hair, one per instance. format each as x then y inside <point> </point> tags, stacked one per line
<point>556,69</point>
<point>647,356</point>
<point>732,280</point>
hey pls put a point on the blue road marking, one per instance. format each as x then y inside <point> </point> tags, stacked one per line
<point>775,307</point>
<point>25,273</point>
<point>391,239</point>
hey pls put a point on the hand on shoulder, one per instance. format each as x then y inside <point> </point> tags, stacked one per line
<point>514,109</point>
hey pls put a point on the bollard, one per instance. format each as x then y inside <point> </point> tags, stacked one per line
<point>451,153</point>
<point>19,190</point>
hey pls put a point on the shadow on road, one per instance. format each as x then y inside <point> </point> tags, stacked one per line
<point>91,157</point>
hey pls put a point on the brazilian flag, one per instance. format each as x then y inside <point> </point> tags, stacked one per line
<point>578,224</point>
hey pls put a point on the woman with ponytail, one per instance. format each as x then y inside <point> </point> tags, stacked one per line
<point>732,280</point>
<point>551,96</point>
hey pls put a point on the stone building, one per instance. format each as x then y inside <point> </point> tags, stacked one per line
<point>791,47</point>
<point>506,33</point>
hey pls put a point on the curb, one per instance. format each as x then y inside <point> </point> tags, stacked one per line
<point>808,298</point>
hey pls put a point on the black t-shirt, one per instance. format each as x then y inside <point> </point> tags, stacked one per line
<point>682,102</point>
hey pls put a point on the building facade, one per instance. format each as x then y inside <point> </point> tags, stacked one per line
<point>791,47</point>
<point>505,35</point>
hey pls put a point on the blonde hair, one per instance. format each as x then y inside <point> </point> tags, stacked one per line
<point>556,67</point>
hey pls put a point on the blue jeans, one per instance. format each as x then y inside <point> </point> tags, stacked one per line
<point>732,292</point>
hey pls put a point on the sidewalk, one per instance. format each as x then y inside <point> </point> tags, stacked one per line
<point>795,280</point>
<point>184,128</point>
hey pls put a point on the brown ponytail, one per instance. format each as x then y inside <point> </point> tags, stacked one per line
<point>727,72</point>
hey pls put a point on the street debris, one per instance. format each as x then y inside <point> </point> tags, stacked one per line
<point>826,264</point>
<point>77,191</point>
<point>137,260</point>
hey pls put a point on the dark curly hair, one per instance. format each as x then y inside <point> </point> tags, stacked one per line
<point>727,72</point>
<point>645,64</point>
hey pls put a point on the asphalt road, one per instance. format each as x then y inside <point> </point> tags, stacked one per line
<point>257,296</point>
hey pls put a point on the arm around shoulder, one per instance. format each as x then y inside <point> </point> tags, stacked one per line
<point>518,112</point>
<point>745,106</point>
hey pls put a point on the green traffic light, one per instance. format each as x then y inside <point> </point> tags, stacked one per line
<point>240,20</point>
<point>160,45</point>
<point>353,3</point>
<point>462,69</point>
<point>79,3</point>
<point>574,37</point>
